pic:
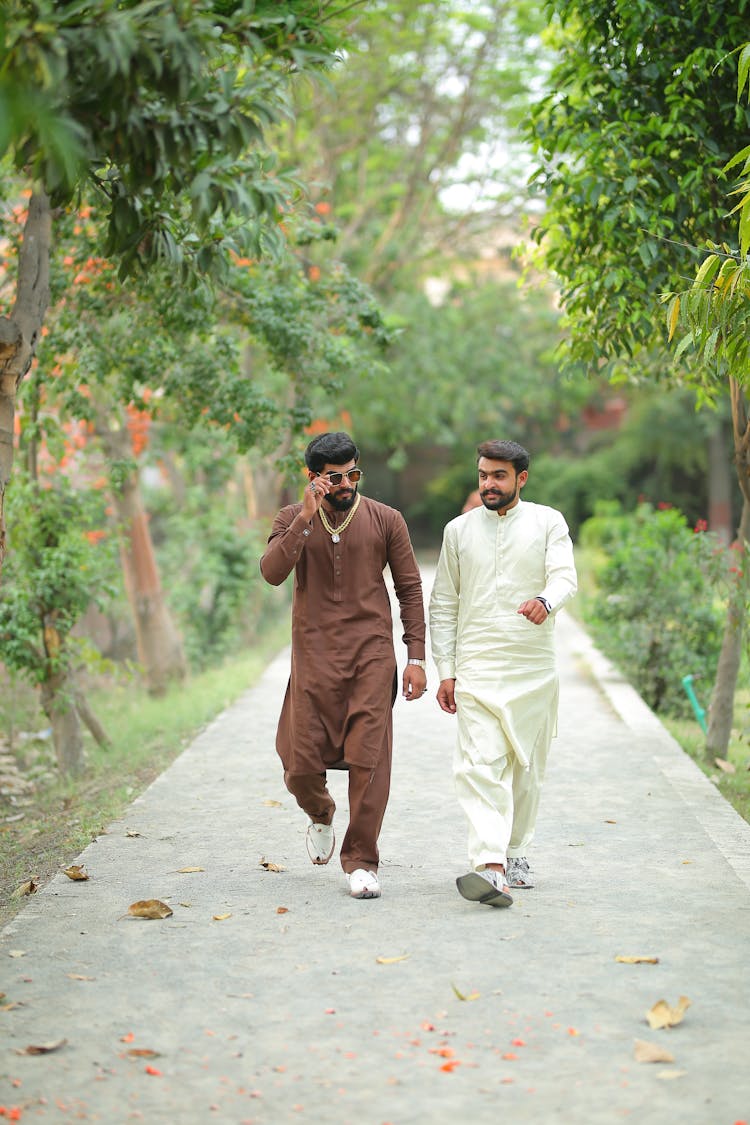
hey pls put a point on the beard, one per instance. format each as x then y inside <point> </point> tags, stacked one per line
<point>494,499</point>
<point>341,501</point>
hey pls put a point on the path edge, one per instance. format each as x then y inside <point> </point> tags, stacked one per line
<point>721,822</point>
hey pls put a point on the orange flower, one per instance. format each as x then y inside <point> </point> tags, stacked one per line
<point>323,208</point>
<point>314,273</point>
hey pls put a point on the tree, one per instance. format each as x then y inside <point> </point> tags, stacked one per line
<point>159,109</point>
<point>121,354</point>
<point>416,127</point>
<point>715,319</point>
<point>631,146</point>
<point>62,562</point>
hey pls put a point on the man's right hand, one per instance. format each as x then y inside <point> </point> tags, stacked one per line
<point>446,696</point>
<point>315,491</point>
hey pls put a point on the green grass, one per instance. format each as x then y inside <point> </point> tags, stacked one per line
<point>735,787</point>
<point>147,734</point>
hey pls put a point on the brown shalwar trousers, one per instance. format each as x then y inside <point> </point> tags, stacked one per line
<point>369,788</point>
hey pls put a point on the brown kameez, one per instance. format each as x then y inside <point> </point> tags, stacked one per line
<point>337,707</point>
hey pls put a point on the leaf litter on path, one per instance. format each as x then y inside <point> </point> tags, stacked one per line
<point>662,1015</point>
<point>646,1052</point>
<point>149,908</point>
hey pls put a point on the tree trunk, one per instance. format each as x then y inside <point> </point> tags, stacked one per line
<point>58,704</point>
<point>98,733</point>
<point>720,482</point>
<point>20,332</point>
<point>159,646</point>
<point>721,711</point>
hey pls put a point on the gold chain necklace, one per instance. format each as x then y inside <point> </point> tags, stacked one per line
<point>335,532</point>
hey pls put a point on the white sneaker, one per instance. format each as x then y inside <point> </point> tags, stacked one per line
<point>320,841</point>
<point>363,884</point>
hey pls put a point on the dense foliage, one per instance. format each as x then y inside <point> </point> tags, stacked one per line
<point>631,145</point>
<point>660,605</point>
<point>159,110</point>
<point>61,561</point>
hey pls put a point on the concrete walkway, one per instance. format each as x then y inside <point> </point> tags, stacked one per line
<point>272,997</point>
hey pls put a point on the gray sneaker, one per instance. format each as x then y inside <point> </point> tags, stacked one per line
<point>518,874</point>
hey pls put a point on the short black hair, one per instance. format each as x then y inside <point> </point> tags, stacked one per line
<point>509,451</point>
<point>330,449</point>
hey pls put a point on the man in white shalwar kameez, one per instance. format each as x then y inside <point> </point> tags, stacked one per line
<point>505,569</point>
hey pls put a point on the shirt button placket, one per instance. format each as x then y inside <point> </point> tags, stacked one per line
<point>337,574</point>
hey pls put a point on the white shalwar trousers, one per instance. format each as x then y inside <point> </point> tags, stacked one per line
<point>498,794</point>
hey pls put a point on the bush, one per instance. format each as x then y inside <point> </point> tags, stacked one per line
<point>59,560</point>
<point>659,614</point>
<point>210,570</point>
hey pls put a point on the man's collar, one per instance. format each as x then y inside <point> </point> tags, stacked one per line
<point>508,515</point>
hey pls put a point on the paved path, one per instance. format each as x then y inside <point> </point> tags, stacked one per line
<point>279,1009</point>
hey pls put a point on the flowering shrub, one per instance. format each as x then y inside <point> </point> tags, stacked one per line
<point>661,599</point>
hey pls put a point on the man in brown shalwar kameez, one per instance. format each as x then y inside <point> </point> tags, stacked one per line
<point>337,712</point>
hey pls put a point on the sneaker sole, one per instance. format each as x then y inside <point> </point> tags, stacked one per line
<point>475,888</point>
<point>365,894</point>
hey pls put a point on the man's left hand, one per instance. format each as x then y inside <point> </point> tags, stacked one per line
<point>534,611</point>
<point>414,682</point>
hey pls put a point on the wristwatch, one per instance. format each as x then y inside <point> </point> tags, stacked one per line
<point>545,603</point>
<point>422,663</point>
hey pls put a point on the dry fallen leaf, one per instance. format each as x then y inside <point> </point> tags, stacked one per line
<point>392,960</point>
<point>671,1074</point>
<point>79,976</point>
<point>142,1053</point>
<point>635,959</point>
<point>28,888</point>
<point>610,822</point>
<point>272,804</point>
<point>646,1052</point>
<point>149,908</point>
<point>461,996</point>
<point>77,872</point>
<point>16,952</point>
<point>131,832</point>
<point>221,917</point>
<point>41,1048</point>
<point>271,866</point>
<point>188,870</point>
<point>282,909</point>
<point>662,1015</point>
<point>724,765</point>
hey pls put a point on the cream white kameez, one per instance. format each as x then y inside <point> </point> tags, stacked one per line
<point>504,666</point>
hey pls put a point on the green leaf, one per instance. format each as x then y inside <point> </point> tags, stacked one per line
<point>743,70</point>
<point>708,268</point>
<point>673,317</point>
